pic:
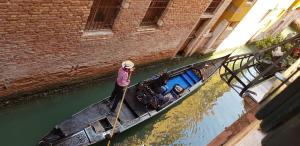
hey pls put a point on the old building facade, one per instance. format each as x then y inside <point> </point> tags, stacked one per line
<point>276,20</point>
<point>215,26</point>
<point>262,15</point>
<point>51,42</point>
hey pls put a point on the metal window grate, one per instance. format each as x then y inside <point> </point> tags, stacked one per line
<point>154,12</point>
<point>213,6</point>
<point>103,14</point>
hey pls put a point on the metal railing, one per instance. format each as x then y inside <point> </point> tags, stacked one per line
<point>242,72</point>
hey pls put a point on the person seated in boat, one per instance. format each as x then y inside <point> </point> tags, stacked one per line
<point>148,97</point>
<point>157,83</point>
<point>150,92</point>
<point>164,100</point>
<point>122,81</point>
<point>143,94</point>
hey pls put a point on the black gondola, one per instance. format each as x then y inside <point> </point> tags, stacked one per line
<point>142,102</point>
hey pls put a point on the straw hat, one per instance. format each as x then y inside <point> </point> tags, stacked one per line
<point>128,64</point>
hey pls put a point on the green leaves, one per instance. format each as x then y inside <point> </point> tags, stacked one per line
<point>269,41</point>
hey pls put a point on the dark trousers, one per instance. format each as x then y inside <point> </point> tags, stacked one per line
<point>116,96</point>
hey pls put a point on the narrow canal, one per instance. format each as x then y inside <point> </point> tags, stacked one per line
<point>195,121</point>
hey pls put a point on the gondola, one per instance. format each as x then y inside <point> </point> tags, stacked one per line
<point>142,102</point>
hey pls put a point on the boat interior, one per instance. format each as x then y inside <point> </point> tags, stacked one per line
<point>182,80</point>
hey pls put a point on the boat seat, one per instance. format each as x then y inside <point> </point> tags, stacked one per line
<point>82,119</point>
<point>188,79</point>
<point>97,127</point>
<point>193,75</point>
<point>173,81</point>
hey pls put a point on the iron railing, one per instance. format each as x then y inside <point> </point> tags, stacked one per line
<point>242,72</point>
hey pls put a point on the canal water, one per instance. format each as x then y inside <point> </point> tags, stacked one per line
<point>194,121</point>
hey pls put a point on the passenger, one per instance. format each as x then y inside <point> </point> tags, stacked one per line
<point>143,95</point>
<point>122,81</point>
<point>157,84</point>
<point>150,92</point>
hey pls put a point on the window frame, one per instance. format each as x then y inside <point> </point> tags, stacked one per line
<point>156,16</point>
<point>214,8</point>
<point>100,10</point>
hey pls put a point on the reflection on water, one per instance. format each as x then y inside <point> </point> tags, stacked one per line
<point>192,122</point>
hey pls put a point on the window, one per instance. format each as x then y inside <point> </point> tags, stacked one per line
<point>103,14</point>
<point>154,12</point>
<point>213,6</point>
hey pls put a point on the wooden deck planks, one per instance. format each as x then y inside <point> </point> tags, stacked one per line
<point>82,119</point>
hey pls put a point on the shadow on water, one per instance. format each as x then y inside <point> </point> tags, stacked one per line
<point>194,121</point>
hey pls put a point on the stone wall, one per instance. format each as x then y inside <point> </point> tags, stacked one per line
<point>43,42</point>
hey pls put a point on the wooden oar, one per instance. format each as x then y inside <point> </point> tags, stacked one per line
<point>118,114</point>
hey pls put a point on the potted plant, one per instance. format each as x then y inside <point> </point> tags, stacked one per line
<point>269,57</point>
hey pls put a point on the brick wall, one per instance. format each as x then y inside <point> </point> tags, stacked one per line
<point>43,43</point>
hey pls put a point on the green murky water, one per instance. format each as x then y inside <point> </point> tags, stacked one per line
<point>194,121</point>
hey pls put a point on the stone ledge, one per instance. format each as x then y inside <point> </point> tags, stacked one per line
<point>106,32</point>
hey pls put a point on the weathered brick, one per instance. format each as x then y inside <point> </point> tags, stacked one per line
<point>41,40</point>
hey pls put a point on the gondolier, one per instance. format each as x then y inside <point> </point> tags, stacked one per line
<point>121,82</point>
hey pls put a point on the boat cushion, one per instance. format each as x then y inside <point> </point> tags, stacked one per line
<point>188,79</point>
<point>193,75</point>
<point>176,80</point>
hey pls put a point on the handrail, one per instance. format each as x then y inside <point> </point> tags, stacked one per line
<point>249,63</point>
